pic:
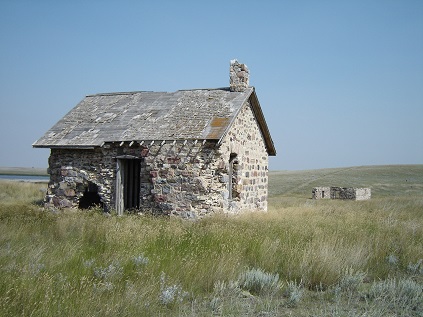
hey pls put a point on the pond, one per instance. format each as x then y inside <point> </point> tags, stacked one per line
<point>25,178</point>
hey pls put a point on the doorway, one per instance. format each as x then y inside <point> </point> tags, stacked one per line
<point>128,176</point>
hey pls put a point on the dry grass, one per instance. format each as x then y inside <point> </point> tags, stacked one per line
<point>12,192</point>
<point>332,258</point>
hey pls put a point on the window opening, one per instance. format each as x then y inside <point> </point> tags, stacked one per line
<point>90,198</point>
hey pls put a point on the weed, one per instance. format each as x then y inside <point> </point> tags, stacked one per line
<point>140,260</point>
<point>392,260</point>
<point>36,268</point>
<point>103,287</point>
<point>351,280</point>
<point>170,294</point>
<point>109,273</point>
<point>229,289</point>
<point>88,263</point>
<point>293,292</point>
<point>416,268</point>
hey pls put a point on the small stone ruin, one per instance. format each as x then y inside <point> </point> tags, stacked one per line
<point>351,193</point>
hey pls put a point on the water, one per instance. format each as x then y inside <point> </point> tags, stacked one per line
<point>25,178</point>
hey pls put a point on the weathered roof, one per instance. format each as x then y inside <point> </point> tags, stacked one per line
<point>143,115</point>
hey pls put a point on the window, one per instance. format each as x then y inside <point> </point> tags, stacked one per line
<point>233,170</point>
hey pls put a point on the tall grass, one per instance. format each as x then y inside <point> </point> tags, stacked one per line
<point>302,257</point>
<point>12,192</point>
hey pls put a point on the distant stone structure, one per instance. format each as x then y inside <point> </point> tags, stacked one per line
<point>341,193</point>
<point>187,153</point>
<point>321,193</point>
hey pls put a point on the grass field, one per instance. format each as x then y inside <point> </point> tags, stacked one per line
<point>301,258</point>
<point>33,171</point>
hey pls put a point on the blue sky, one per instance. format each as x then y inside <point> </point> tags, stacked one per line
<point>340,82</point>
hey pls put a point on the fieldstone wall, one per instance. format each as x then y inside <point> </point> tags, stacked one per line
<point>185,178</point>
<point>363,193</point>
<point>181,179</point>
<point>72,172</point>
<point>250,176</point>
<point>341,193</point>
<point>321,193</point>
<point>175,178</point>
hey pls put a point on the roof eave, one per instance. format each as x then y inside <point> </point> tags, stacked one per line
<point>258,113</point>
<point>255,105</point>
<point>55,146</point>
<point>222,137</point>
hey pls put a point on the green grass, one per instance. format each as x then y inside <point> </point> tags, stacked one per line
<point>33,171</point>
<point>301,258</point>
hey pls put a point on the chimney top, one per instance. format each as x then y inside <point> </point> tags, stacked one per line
<point>239,76</point>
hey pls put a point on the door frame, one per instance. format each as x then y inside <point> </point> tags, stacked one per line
<point>127,181</point>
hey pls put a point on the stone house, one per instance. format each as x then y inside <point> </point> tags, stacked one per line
<point>187,153</point>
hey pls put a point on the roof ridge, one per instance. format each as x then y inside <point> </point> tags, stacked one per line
<point>151,91</point>
<point>221,88</point>
<point>122,93</point>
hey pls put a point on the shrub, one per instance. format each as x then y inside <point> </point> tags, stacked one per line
<point>403,296</point>
<point>257,281</point>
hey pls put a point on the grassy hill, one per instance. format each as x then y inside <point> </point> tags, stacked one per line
<point>34,171</point>
<point>302,258</point>
<point>391,180</point>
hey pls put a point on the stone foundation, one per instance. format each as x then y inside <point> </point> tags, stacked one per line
<point>341,193</point>
<point>321,193</point>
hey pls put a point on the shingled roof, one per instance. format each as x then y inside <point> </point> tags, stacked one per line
<point>205,114</point>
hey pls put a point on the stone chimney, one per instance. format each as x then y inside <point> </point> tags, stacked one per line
<point>239,76</point>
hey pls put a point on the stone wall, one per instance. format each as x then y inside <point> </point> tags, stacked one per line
<point>186,178</point>
<point>341,193</point>
<point>72,171</point>
<point>363,193</point>
<point>250,178</point>
<point>175,177</point>
<point>321,193</point>
<point>181,179</point>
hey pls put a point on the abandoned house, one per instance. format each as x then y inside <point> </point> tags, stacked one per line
<point>187,153</point>
<point>341,193</point>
